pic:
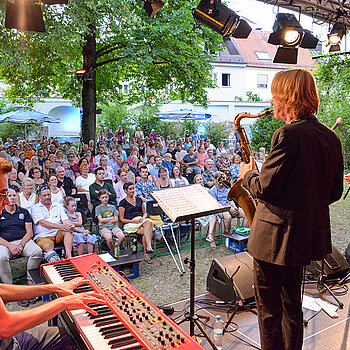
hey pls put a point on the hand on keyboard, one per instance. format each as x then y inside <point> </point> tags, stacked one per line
<point>81,301</point>
<point>66,288</point>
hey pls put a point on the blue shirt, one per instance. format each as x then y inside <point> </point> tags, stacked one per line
<point>167,166</point>
<point>144,190</point>
<point>154,172</point>
<point>220,195</point>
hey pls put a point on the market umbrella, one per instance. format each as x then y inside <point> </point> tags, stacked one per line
<point>183,114</point>
<point>27,116</point>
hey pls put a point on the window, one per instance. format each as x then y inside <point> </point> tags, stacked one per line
<point>126,88</point>
<point>263,55</point>
<point>215,78</point>
<point>262,81</point>
<point>225,79</point>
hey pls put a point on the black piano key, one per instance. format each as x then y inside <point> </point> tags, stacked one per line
<point>83,290</point>
<point>121,342</point>
<point>114,329</point>
<point>115,333</point>
<point>102,314</point>
<point>106,321</point>
<point>107,328</point>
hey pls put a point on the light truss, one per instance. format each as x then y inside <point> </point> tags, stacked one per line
<point>329,11</point>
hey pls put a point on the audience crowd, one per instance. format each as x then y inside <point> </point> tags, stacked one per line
<point>117,176</point>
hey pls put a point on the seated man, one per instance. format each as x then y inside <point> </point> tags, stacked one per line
<point>190,162</point>
<point>98,185</point>
<point>208,175</point>
<point>144,187</point>
<point>107,216</point>
<point>155,170</point>
<point>219,192</point>
<point>16,233</point>
<point>51,226</point>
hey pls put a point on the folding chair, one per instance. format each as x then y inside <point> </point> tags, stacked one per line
<point>153,208</point>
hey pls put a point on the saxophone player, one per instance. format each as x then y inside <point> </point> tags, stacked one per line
<point>301,177</point>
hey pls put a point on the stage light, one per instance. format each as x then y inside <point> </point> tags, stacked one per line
<point>288,34</point>
<point>152,6</point>
<point>25,16</point>
<point>222,20</point>
<point>336,36</point>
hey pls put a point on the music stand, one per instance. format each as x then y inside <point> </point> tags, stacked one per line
<point>189,203</point>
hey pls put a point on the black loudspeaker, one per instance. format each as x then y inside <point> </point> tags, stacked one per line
<point>335,265</point>
<point>223,282</point>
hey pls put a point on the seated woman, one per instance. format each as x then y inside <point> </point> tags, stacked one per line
<point>176,179</point>
<point>132,214</point>
<point>109,172</point>
<point>35,174</point>
<point>27,198</point>
<point>163,179</point>
<point>57,193</point>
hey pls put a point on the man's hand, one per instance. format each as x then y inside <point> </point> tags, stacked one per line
<point>68,226</point>
<point>81,301</point>
<point>244,168</point>
<point>15,249</point>
<point>66,288</point>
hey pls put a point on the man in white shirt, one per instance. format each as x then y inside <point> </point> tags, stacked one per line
<point>51,226</point>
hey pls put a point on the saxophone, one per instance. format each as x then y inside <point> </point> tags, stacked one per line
<point>237,192</point>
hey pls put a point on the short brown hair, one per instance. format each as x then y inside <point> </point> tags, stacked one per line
<point>5,166</point>
<point>296,89</point>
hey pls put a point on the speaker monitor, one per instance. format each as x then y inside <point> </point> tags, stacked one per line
<point>228,286</point>
<point>335,265</point>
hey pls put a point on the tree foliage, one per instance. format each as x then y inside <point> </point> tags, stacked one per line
<point>333,80</point>
<point>217,132</point>
<point>262,131</point>
<point>115,43</point>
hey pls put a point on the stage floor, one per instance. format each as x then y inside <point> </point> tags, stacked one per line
<point>321,333</point>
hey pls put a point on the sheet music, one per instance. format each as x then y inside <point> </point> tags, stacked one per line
<point>178,202</point>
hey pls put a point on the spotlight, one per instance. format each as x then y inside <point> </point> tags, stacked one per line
<point>222,20</point>
<point>335,36</point>
<point>152,6</point>
<point>25,16</point>
<point>288,34</point>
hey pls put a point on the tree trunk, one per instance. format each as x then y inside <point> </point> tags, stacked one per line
<point>88,123</point>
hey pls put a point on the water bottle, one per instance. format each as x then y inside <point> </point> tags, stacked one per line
<point>134,245</point>
<point>116,248</point>
<point>218,329</point>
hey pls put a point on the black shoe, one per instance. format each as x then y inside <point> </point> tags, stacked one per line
<point>23,303</point>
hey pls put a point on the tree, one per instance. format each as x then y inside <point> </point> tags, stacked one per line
<point>262,131</point>
<point>333,81</point>
<point>113,44</point>
<point>216,132</point>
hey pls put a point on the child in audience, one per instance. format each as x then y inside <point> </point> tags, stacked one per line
<point>107,216</point>
<point>80,234</point>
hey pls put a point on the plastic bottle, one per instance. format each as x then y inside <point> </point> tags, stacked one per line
<point>218,329</point>
<point>116,249</point>
<point>134,245</point>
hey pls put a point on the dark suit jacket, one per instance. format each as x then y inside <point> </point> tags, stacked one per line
<point>301,176</point>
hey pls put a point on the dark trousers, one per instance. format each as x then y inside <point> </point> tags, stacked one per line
<point>278,300</point>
